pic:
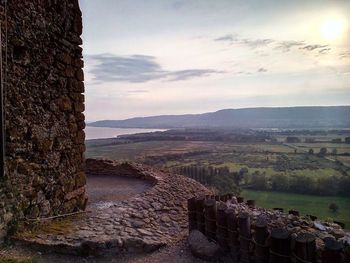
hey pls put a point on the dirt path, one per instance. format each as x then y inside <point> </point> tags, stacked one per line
<point>177,252</point>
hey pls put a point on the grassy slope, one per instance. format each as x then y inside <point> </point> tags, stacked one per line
<point>306,204</point>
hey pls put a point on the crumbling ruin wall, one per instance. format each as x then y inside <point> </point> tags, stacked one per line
<point>43,106</point>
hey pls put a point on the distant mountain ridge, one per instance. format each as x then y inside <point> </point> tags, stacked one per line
<point>283,117</point>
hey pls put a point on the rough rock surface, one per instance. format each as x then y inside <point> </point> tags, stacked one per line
<point>43,109</point>
<point>142,223</point>
<point>203,248</point>
<point>177,252</point>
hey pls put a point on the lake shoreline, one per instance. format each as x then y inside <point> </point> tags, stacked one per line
<point>95,133</point>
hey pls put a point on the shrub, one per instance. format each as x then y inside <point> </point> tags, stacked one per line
<point>333,207</point>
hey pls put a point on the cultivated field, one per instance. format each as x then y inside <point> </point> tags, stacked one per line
<point>305,204</point>
<point>271,166</point>
<point>340,148</point>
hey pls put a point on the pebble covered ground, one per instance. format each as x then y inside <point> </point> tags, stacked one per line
<point>142,223</point>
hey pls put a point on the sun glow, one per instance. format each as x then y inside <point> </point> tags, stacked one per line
<point>333,28</point>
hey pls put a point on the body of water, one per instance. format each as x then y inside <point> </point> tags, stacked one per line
<point>104,133</point>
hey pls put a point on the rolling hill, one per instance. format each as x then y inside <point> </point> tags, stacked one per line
<point>288,117</point>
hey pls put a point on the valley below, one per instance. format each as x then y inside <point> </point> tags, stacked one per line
<point>304,170</point>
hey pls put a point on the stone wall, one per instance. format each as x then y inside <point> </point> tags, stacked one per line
<point>43,105</point>
<point>109,167</point>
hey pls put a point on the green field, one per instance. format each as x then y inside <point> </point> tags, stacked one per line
<point>321,138</point>
<point>305,204</point>
<point>344,159</point>
<point>138,150</point>
<point>340,147</point>
<point>133,151</point>
<point>269,159</point>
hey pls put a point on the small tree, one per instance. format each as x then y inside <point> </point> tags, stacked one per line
<point>334,151</point>
<point>333,207</point>
<point>311,151</point>
<point>323,151</point>
<point>225,184</point>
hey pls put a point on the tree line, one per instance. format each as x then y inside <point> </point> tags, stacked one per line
<point>223,180</point>
<point>219,178</point>
<point>300,183</point>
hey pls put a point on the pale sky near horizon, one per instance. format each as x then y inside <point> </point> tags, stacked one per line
<point>157,57</point>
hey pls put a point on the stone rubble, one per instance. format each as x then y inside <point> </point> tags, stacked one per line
<point>202,248</point>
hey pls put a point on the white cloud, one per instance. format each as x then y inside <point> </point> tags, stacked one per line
<point>263,50</point>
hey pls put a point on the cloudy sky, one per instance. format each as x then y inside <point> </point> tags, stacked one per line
<point>157,57</point>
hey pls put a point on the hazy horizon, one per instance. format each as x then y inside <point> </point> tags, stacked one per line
<point>196,113</point>
<point>180,57</point>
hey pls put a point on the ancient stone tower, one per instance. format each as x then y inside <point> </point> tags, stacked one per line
<point>43,81</point>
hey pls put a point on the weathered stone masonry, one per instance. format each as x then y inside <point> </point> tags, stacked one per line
<point>43,104</point>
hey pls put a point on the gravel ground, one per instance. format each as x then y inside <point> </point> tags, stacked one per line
<point>177,252</point>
